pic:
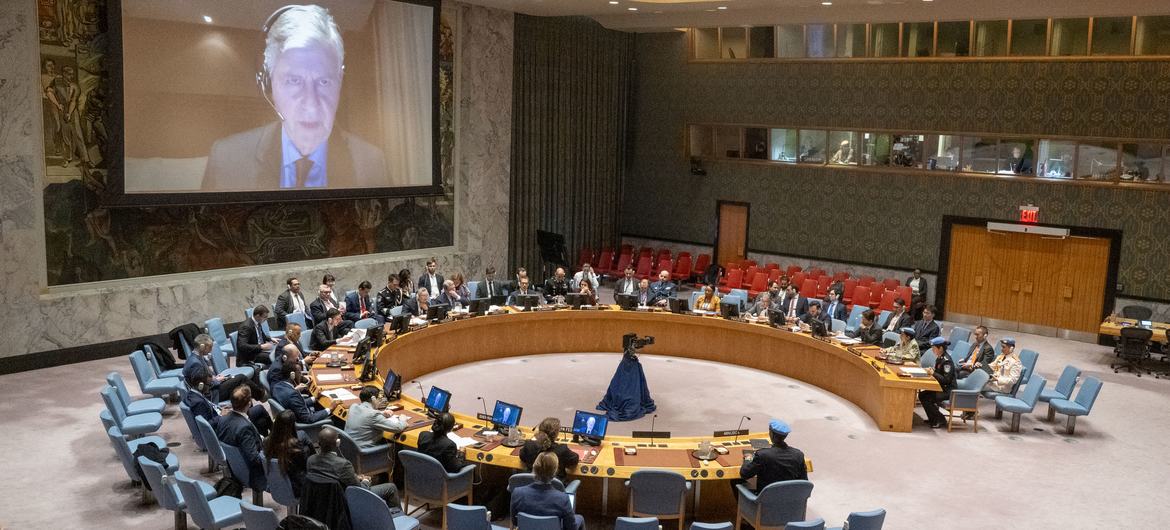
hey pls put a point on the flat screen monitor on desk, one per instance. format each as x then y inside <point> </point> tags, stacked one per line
<point>589,427</point>
<point>527,301</point>
<point>627,301</point>
<point>479,306</point>
<point>437,311</point>
<point>506,415</point>
<point>729,309</point>
<point>438,401</point>
<point>400,323</point>
<point>391,387</point>
<point>576,300</point>
<point>679,305</point>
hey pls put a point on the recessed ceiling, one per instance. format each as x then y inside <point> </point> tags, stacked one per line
<point>663,15</point>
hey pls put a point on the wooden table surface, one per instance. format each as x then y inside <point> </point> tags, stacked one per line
<point>1112,326</point>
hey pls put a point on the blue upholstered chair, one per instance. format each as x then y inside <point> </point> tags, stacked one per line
<point>890,338</point>
<point>280,486</point>
<point>220,363</point>
<point>158,371</point>
<point>148,382</point>
<point>189,419</point>
<point>1028,360</point>
<point>534,522</point>
<point>367,511</point>
<point>739,300</point>
<point>427,483</point>
<point>259,517</point>
<point>219,335</point>
<point>470,518</point>
<point>776,505</point>
<point>365,323</point>
<point>211,442</point>
<point>473,287</point>
<point>524,479</point>
<point>396,311</point>
<point>1023,404</point>
<point>658,493</point>
<point>234,338</point>
<point>965,398</point>
<point>694,296</point>
<point>1082,406</point>
<point>854,321</point>
<point>871,520</point>
<point>927,359</point>
<point>220,512</point>
<point>959,351</point>
<point>241,472</point>
<point>636,523</point>
<point>166,490</point>
<point>884,318</point>
<point>310,429</point>
<point>959,333</point>
<point>366,460</point>
<point>838,326</point>
<point>264,325</point>
<point>133,407</point>
<point>299,319</point>
<point>126,449</point>
<point>1063,390</point>
<point>744,297</point>
<point>711,526</point>
<point>135,425</point>
<point>812,524</point>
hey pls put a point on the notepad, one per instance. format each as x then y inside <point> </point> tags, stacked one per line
<point>323,378</point>
<point>847,340</point>
<point>460,442</point>
<point>340,394</point>
<point>913,371</point>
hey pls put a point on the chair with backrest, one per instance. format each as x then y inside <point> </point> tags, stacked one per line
<point>310,429</point>
<point>701,264</point>
<point>797,280</point>
<point>1063,389</point>
<point>136,425</point>
<point>219,334</point>
<point>793,269</point>
<point>711,526</point>
<point>1083,404</point>
<point>1023,404</point>
<point>866,280</point>
<point>853,323</point>
<point>883,318</point>
<point>126,449</point>
<point>220,363</point>
<point>841,276</point>
<point>367,511</point>
<point>887,300</point>
<point>964,398</point>
<point>892,283</point>
<point>664,264</point>
<point>733,279</point>
<point>132,406</point>
<point>148,383</point>
<point>523,479</point>
<point>365,323</point>
<point>960,351</point>
<point>241,472</point>
<point>211,443</point>
<point>470,518</point>
<point>189,419</point>
<point>816,272</point>
<point>279,486</point>
<point>905,293</point>
<point>427,483</point>
<point>871,520</point>
<point>759,284</point>
<point>658,493</point>
<point>890,338</point>
<point>153,358</point>
<point>166,490</point>
<point>1028,359</point>
<point>1137,312</point>
<point>812,524</point>
<point>636,523</point>
<point>877,298</point>
<point>366,460</point>
<point>682,269</point>
<point>259,517</point>
<point>643,270</point>
<point>860,297</point>
<point>927,359</point>
<point>808,288</point>
<point>623,261</point>
<point>525,521</point>
<point>958,333</point>
<point>220,512</point>
<point>1133,347</point>
<point>838,325</point>
<point>847,290</point>
<point>323,499</point>
<point>823,284</point>
<point>605,262</point>
<point>749,275</point>
<point>774,506</point>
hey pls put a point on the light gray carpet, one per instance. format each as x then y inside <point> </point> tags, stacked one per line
<point>60,471</point>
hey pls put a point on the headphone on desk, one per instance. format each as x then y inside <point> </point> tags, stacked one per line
<point>263,76</point>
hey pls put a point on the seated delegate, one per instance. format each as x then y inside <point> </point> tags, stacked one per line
<point>541,499</point>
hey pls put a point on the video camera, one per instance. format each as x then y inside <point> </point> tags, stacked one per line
<point>630,341</point>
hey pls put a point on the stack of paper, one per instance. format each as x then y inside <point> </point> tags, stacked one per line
<point>460,442</point>
<point>340,394</point>
<point>326,378</point>
<point>913,371</point>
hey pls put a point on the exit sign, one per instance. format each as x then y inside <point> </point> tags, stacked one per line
<point>1029,214</point>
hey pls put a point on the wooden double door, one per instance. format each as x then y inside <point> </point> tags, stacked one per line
<point>1024,281</point>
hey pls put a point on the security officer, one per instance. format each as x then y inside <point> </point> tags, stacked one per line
<point>774,464</point>
<point>944,372</point>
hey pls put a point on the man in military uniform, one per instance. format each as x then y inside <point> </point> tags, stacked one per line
<point>774,464</point>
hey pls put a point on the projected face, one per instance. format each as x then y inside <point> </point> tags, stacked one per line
<point>306,87</point>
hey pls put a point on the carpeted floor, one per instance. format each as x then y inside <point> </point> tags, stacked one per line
<point>61,472</point>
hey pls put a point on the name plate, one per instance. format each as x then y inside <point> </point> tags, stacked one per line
<point>483,417</point>
<point>651,434</point>
<point>721,434</point>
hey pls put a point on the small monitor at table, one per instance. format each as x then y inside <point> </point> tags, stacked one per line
<point>627,301</point>
<point>589,424</point>
<point>527,301</point>
<point>506,414</point>
<point>438,400</point>
<point>729,309</point>
<point>479,306</point>
<point>576,300</point>
<point>437,311</point>
<point>679,305</point>
<point>388,387</point>
<point>401,323</point>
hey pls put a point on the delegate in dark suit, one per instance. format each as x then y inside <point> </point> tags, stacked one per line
<point>566,457</point>
<point>332,467</point>
<point>442,449</point>
<point>821,317</point>
<point>488,289</point>
<point>661,290</point>
<point>388,299</point>
<point>897,322</point>
<point>249,338</point>
<point>870,335</point>
<point>289,398</point>
<point>924,331</point>
<point>284,306</point>
<point>542,499</point>
<point>425,281</point>
<point>411,306</point>
<point>251,161</point>
<point>353,307</point>
<point>794,306</point>
<point>625,285</point>
<point>317,310</point>
<point>236,430</point>
<point>774,464</point>
<point>834,310</point>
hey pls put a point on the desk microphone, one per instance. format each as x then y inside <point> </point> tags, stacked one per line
<point>480,398</point>
<point>740,428</point>
<point>421,393</point>
<point>652,418</point>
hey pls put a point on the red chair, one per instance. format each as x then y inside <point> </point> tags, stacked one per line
<point>849,286</point>
<point>861,296</point>
<point>663,253</point>
<point>664,264</point>
<point>733,280</point>
<point>682,269</point>
<point>585,256</point>
<point>840,276</point>
<point>875,297</point>
<point>774,274</point>
<point>643,270</point>
<point>748,263</point>
<point>887,303</point>
<point>627,249</point>
<point>866,281</point>
<point>793,269</point>
<point>681,254</point>
<point>773,267</point>
<point>890,283</point>
<point>759,284</point>
<point>749,276</point>
<point>796,279</point>
<point>905,293</point>
<point>646,252</point>
<point>823,283</point>
<point>605,262</point>
<point>731,265</point>
<point>701,264</point>
<point>808,289</point>
<point>623,261</point>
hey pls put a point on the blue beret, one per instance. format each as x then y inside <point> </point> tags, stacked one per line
<point>939,341</point>
<point>1008,340</point>
<point>779,427</point>
<point>908,331</point>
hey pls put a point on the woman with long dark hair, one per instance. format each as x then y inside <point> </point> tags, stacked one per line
<point>290,448</point>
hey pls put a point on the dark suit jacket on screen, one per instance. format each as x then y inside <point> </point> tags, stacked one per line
<point>250,161</point>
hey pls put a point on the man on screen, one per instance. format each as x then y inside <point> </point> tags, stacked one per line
<point>304,59</point>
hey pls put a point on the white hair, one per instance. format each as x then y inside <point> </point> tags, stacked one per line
<point>298,27</point>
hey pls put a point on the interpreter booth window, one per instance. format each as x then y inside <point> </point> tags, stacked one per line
<point>1152,36</point>
<point>875,149</point>
<point>991,38</point>
<point>819,40</point>
<point>790,40</point>
<point>917,39</point>
<point>1017,156</point>
<point>1143,162</point>
<point>1112,35</point>
<point>701,139</point>
<point>812,146</point>
<point>1055,159</point>
<point>844,147</point>
<point>954,39</point>
<point>785,145</point>
<point>907,150</point>
<point>850,40</point>
<point>1030,37</point>
<point>727,142</point>
<point>980,154</point>
<point>706,43</point>
<point>942,152</point>
<point>883,40</point>
<point>1070,36</point>
<point>755,143</point>
<point>733,43</point>
<point>763,41</point>
<point>1097,160</point>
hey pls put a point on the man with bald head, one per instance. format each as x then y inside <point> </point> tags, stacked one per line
<point>327,465</point>
<point>662,290</point>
